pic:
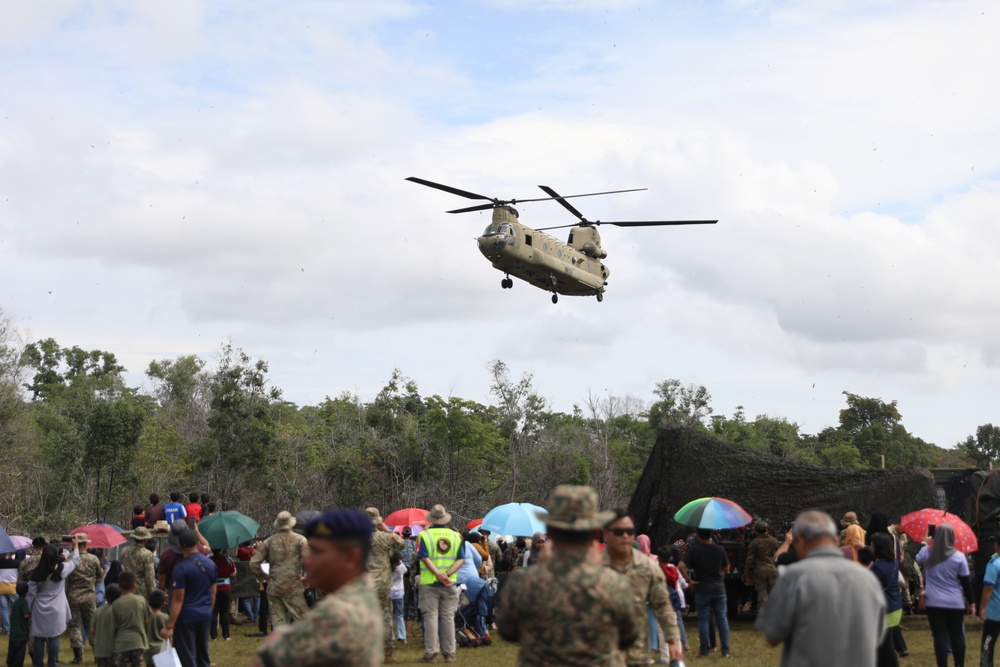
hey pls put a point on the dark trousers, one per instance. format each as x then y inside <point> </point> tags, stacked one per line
<point>191,642</point>
<point>39,651</point>
<point>885,656</point>
<point>16,651</point>
<point>898,641</point>
<point>991,630</point>
<point>221,613</point>
<point>947,625</point>
<point>263,612</point>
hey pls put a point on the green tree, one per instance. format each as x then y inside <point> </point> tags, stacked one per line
<point>678,405</point>
<point>984,447</point>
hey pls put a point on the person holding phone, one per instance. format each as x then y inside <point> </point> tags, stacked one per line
<point>47,601</point>
<point>948,592</point>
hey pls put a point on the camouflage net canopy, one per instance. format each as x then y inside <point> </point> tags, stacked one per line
<point>687,464</point>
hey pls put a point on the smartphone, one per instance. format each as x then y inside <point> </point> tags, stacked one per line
<point>930,530</point>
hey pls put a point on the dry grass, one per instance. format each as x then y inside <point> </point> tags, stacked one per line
<point>748,647</point>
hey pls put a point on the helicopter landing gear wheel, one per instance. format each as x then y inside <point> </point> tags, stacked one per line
<point>555,298</point>
<point>600,297</point>
<point>507,283</point>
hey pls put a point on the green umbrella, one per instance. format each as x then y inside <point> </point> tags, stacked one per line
<point>227,529</point>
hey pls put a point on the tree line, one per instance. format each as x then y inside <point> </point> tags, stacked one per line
<point>82,445</point>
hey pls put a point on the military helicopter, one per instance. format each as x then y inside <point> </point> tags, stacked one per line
<point>573,268</point>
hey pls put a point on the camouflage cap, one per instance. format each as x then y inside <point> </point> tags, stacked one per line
<point>373,514</point>
<point>82,538</point>
<point>574,508</point>
<point>141,534</point>
<point>284,521</point>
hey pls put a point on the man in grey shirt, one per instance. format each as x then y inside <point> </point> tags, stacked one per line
<point>826,609</point>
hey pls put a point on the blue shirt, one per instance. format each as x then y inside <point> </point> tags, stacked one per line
<point>990,579</point>
<point>888,576</point>
<point>941,583</point>
<point>197,586</point>
<point>174,511</point>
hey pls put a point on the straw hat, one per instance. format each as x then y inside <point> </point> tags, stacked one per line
<point>438,516</point>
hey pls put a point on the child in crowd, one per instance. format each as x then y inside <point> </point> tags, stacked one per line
<point>19,613</point>
<point>157,621</point>
<point>396,593</point>
<point>138,517</point>
<point>102,628</point>
<point>131,615</point>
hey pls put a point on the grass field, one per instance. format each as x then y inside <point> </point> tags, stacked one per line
<point>747,646</point>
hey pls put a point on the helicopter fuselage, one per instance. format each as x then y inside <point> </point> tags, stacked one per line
<point>571,268</point>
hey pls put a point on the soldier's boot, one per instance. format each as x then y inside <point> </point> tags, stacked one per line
<point>77,657</point>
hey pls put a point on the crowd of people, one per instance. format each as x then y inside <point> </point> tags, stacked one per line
<point>345,588</point>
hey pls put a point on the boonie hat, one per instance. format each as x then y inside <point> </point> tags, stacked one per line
<point>438,515</point>
<point>160,529</point>
<point>81,538</point>
<point>849,518</point>
<point>574,508</point>
<point>373,514</point>
<point>285,521</point>
<point>141,533</point>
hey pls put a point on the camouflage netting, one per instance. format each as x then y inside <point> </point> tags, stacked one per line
<point>687,464</point>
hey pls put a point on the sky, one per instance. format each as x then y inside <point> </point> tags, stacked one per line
<point>176,175</point>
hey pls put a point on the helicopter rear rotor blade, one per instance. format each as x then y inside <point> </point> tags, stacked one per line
<point>448,188</point>
<point>655,223</point>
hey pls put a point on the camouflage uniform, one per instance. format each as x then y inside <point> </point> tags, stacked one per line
<point>384,544</point>
<point>344,629</point>
<point>138,559</point>
<point>648,584</point>
<point>81,588</point>
<point>283,552</point>
<point>27,566</point>
<point>759,566</point>
<point>569,610</point>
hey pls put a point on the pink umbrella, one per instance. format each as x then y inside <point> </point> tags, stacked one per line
<point>411,516</point>
<point>100,535</point>
<point>20,542</point>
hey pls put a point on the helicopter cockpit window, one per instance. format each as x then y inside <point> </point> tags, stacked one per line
<point>494,230</point>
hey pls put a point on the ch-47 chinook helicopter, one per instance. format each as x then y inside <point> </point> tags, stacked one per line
<point>573,268</point>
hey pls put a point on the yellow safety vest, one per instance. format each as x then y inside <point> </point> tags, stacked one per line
<point>442,547</point>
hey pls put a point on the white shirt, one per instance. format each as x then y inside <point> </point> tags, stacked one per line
<point>396,592</point>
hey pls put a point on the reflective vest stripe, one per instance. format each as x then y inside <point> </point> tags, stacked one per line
<point>430,537</point>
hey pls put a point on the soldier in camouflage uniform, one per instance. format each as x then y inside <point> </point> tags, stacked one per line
<point>81,590</point>
<point>759,568</point>
<point>384,544</point>
<point>29,564</point>
<point>136,558</point>
<point>649,586</point>
<point>570,609</point>
<point>345,628</point>
<point>284,552</point>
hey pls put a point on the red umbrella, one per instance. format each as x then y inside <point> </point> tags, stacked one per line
<point>472,524</point>
<point>101,536</point>
<point>411,516</point>
<point>915,525</point>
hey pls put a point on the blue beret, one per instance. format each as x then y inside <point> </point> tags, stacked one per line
<point>341,524</point>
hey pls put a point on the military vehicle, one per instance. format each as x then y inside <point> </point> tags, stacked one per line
<point>573,268</point>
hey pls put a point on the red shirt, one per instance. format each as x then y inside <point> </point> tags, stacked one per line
<point>194,512</point>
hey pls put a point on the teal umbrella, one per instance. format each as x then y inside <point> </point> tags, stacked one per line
<point>227,529</point>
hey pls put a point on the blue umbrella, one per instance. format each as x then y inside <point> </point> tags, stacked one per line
<point>518,519</point>
<point>6,545</point>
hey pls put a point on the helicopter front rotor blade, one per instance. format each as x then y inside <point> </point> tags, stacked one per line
<point>655,223</point>
<point>448,188</point>
<point>569,207</point>
<point>479,207</point>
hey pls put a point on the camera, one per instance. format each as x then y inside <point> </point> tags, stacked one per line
<point>67,539</point>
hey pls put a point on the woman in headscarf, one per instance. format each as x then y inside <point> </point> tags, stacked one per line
<point>47,601</point>
<point>854,539</point>
<point>644,546</point>
<point>948,593</point>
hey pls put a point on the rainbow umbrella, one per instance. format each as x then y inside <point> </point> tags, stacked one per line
<point>713,513</point>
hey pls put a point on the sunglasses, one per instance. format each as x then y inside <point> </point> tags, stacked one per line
<point>618,532</point>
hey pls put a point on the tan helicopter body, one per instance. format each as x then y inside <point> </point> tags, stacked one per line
<point>573,268</point>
